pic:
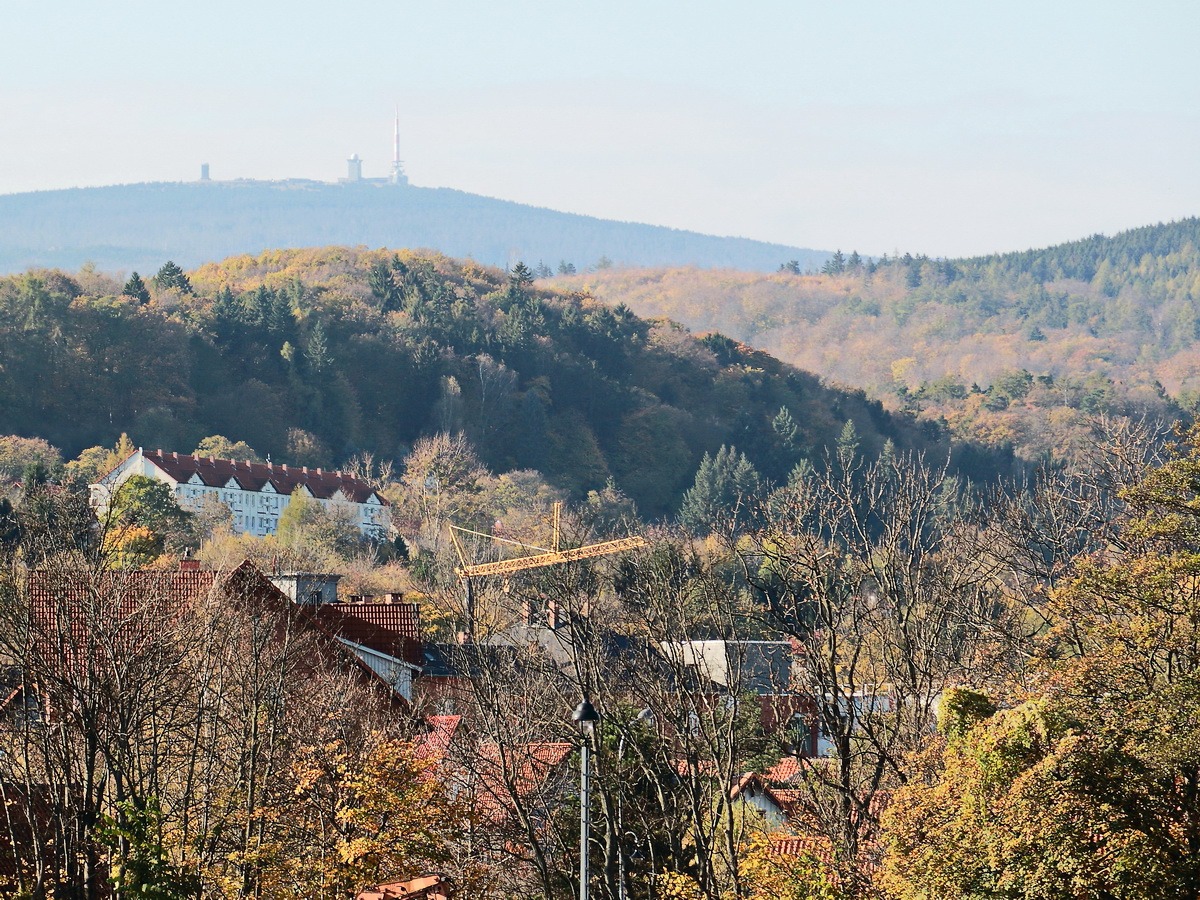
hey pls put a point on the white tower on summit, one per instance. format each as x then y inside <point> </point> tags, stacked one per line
<point>397,176</point>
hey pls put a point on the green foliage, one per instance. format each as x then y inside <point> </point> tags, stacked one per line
<point>136,289</point>
<point>18,453</point>
<point>366,350</point>
<point>140,866</point>
<point>146,501</point>
<point>170,276</point>
<point>961,709</point>
<point>724,491</point>
<point>142,518</point>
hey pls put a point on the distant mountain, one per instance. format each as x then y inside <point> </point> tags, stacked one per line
<point>138,226</point>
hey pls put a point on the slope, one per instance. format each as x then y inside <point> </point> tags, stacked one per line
<point>338,350</point>
<point>1014,350</point>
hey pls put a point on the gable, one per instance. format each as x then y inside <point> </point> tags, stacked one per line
<point>233,484</point>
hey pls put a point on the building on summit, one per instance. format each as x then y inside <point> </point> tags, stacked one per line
<point>257,493</point>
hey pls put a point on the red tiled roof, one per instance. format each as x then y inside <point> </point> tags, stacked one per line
<point>427,886</point>
<point>435,743</point>
<point>255,476</point>
<point>787,769</point>
<point>384,627</point>
<point>66,607</point>
<point>810,845</point>
<point>71,609</point>
<point>527,769</point>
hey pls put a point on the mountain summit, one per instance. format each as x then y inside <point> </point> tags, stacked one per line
<point>137,226</point>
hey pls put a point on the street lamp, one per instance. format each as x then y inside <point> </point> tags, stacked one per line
<point>646,715</point>
<point>586,718</point>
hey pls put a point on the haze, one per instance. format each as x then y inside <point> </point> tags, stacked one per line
<point>945,128</point>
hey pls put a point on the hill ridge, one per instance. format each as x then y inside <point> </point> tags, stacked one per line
<point>138,226</point>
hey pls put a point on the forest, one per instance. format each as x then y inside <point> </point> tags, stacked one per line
<point>1012,351</point>
<point>315,356</point>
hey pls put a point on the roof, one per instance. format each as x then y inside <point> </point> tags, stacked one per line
<point>389,628</point>
<point>213,472</point>
<point>435,743</point>
<point>130,607</point>
<point>786,770</point>
<point>72,610</point>
<point>426,886</point>
<point>521,771</point>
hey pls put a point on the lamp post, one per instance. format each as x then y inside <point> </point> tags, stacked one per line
<point>586,718</point>
<point>646,715</point>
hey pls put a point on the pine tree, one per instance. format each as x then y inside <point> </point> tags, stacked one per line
<point>847,442</point>
<point>520,274</point>
<point>136,289</point>
<point>724,486</point>
<point>171,276</point>
<point>788,429</point>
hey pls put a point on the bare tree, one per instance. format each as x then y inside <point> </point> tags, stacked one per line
<point>865,568</point>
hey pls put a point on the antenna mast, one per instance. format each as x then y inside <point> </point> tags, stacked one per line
<point>398,176</point>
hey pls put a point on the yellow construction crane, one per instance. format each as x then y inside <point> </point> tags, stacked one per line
<point>543,557</point>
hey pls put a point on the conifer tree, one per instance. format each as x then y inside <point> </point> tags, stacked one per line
<point>724,485</point>
<point>136,289</point>
<point>171,276</point>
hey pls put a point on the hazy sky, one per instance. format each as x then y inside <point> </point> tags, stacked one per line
<point>932,126</point>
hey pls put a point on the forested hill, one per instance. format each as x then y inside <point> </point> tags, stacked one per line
<point>1141,253</point>
<point>313,355</point>
<point>138,226</point>
<point>1016,351</point>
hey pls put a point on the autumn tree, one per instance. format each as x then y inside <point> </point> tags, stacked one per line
<point>1087,787</point>
<point>141,517</point>
<point>221,447</point>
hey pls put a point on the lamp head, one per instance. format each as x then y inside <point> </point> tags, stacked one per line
<point>585,716</point>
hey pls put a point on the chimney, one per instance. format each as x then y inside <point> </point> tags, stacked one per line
<point>393,597</point>
<point>553,616</point>
<point>318,470</point>
<point>175,454</point>
<point>189,565</point>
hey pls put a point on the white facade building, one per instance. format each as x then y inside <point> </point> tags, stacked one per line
<point>256,493</point>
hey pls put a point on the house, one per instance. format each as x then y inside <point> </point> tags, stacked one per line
<point>124,610</point>
<point>384,635</point>
<point>256,493</point>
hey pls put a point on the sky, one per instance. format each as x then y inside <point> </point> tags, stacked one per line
<point>926,126</point>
